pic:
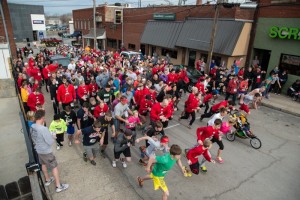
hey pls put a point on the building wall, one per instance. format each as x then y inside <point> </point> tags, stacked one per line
<point>243,41</point>
<point>21,20</point>
<point>9,27</point>
<point>276,45</point>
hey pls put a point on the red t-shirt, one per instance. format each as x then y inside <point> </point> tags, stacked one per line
<point>206,132</point>
<point>195,152</point>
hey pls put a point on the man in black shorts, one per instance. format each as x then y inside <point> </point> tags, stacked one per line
<point>122,145</point>
<point>91,136</point>
<point>106,121</point>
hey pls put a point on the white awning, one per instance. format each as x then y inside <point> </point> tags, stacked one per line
<point>100,34</point>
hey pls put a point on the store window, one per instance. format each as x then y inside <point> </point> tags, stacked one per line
<point>290,63</point>
<point>112,43</point>
<point>131,46</point>
<point>172,53</point>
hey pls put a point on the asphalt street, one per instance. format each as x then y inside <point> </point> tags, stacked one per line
<point>271,172</point>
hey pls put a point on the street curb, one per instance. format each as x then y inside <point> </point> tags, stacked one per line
<point>281,109</point>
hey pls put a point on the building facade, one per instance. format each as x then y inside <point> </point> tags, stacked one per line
<point>277,38</point>
<point>132,34</point>
<point>22,22</point>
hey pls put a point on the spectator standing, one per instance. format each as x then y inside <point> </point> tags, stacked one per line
<point>43,140</point>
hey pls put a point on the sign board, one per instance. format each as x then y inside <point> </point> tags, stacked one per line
<point>285,33</point>
<point>164,16</point>
<point>38,22</point>
<point>41,35</point>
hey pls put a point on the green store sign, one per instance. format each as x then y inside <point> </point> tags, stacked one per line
<point>164,16</point>
<point>285,33</point>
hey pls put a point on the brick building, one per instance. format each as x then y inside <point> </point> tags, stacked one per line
<point>7,51</point>
<point>136,21</point>
<point>276,37</point>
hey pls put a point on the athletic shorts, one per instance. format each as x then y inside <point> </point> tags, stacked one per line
<point>195,168</point>
<point>92,150</point>
<point>126,152</point>
<point>106,137</point>
<point>48,159</point>
<point>159,182</point>
<point>70,129</point>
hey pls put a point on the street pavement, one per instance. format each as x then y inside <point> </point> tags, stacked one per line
<point>271,172</point>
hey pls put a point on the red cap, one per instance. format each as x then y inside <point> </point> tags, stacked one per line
<point>124,99</point>
<point>164,139</point>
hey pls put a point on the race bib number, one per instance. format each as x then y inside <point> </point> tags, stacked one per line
<point>75,87</point>
<point>39,74</point>
<point>58,129</point>
<point>72,104</point>
<point>106,100</point>
<point>234,90</point>
<point>102,114</point>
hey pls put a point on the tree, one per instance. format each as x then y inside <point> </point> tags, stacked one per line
<point>65,18</point>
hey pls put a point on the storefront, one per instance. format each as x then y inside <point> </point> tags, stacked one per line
<point>277,43</point>
<point>189,40</point>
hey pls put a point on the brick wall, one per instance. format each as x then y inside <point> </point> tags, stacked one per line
<point>9,28</point>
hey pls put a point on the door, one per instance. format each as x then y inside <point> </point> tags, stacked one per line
<point>192,58</point>
<point>263,58</point>
<point>35,36</point>
<point>143,49</point>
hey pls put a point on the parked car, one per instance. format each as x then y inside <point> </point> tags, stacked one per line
<point>62,33</point>
<point>75,34</point>
<point>193,75</point>
<point>130,54</point>
<point>64,61</point>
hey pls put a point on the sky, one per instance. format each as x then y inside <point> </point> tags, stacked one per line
<point>58,7</point>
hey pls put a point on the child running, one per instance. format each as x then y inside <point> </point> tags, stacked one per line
<point>193,154</point>
<point>208,132</point>
<point>69,116</point>
<point>132,122</point>
<point>154,144</point>
<point>58,127</point>
<point>162,164</point>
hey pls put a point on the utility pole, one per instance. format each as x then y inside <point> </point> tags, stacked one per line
<point>95,33</point>
<point>213,34</point>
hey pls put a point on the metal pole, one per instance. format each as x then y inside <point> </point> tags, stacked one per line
<point>94,14</point>
<point>122,45</point>
<point>213,34</point>
<point>5,28</point>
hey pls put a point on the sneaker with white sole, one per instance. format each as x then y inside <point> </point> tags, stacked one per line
<point>47,183</point>
<point>114,163</point>
<point>57,147</point>
<point>62,188</point>
<point>124,164</point>
<point>70,143</point>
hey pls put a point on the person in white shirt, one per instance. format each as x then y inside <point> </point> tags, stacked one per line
<point>72,65</point>
<point>220,115</point>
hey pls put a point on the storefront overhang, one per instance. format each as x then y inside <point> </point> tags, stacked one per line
<point>163,34</point>
<point>100,34</point>
<point>196,34</point>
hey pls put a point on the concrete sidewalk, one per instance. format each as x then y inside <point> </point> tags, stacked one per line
<point>282,103</point>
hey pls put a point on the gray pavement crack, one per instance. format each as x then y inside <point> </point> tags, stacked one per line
<point>216,196</point>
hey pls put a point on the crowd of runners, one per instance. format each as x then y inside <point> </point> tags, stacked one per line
<point>102,98</point>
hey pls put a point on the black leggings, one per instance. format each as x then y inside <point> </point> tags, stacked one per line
<point>206,107</point>
<point>207,115</point>
<point>187,114</point>
<point>195,168</point>
<point>219,142</point>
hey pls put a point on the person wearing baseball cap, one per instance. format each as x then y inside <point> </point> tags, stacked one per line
<point>121,112</point>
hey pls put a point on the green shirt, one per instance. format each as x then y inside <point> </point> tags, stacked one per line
<point>163,164</point>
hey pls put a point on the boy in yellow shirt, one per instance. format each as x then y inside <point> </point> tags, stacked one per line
<point>58,128</point>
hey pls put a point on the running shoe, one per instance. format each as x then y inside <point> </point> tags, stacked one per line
<point>70,143</point>
<point>85,157</point>
<point>141,162</point>
<point>62,187</point>
<point>220,160</point>
<point>124,164</point>
<point>114,163</point>
<point>93,162</point>
<point>189,126</point>
<point>47,183</point>
<point>57,146</point>
<point>204,169</point>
